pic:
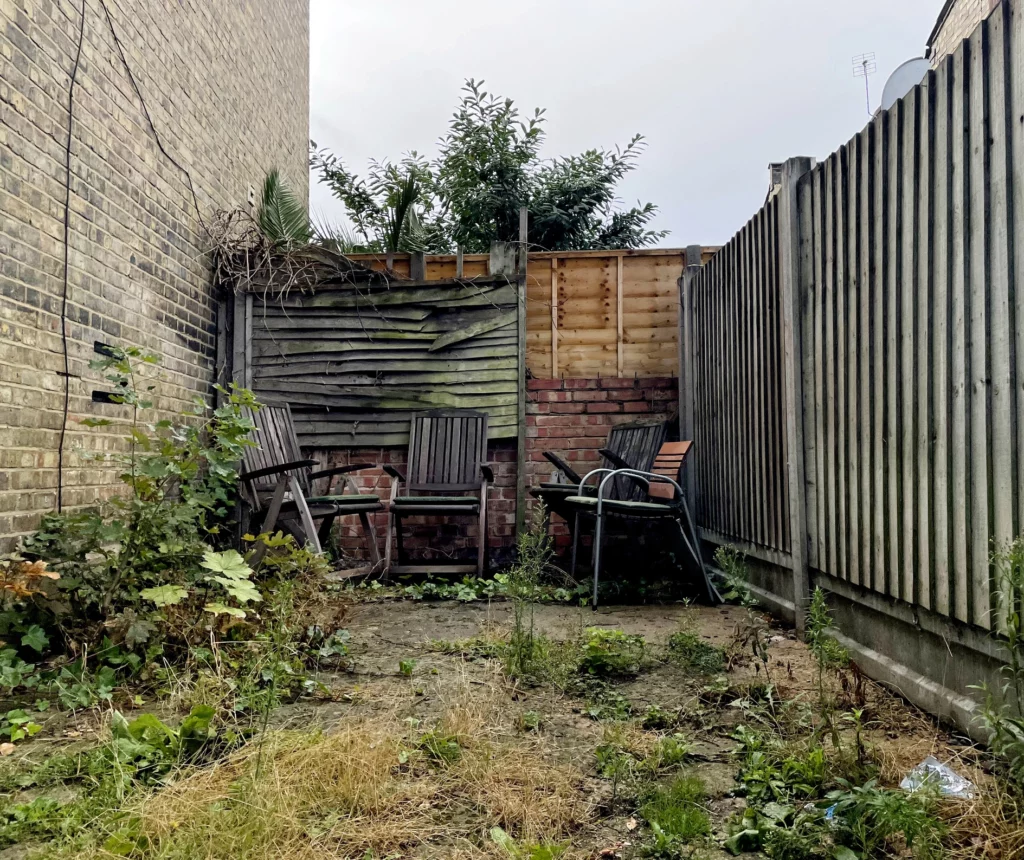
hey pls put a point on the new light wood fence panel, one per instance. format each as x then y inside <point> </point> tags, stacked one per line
<point>589,313</point>
<point>738,398</point>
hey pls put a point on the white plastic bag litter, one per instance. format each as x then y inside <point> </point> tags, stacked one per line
<point>931,772</point>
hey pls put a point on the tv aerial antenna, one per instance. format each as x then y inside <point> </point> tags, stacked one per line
<point>864,66</point>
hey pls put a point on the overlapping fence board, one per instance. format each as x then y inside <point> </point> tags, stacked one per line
<point>355,360</point>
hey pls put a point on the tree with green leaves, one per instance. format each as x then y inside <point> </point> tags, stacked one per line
<point>391,209</point>
<point>489,166</point>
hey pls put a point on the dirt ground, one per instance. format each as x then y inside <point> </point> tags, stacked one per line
<point>387,633</point>
<point>530,764</point>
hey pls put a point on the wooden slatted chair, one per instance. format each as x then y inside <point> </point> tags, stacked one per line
<point>447,476</point>
<point>664,501</point>
<point>628,446</point>
<point>278,488</point>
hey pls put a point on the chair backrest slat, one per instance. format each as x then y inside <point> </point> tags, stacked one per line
<point>668,464</point>
<point>446,449</point>
<point>276,443</point>
<point>638,445</point>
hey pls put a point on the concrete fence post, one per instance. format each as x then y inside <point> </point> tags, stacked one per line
<point>792,302</point>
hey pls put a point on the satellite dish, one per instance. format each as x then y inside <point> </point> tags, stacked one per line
<point>903,80</point>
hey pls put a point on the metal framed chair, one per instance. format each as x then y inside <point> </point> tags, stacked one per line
<point>628,446</point>
<point>665,501</point>
<point>447,476</point>
<point>278,483</point>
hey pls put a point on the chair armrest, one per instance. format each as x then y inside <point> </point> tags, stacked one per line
<point>277,470</point>
<point>340,470</point>
<point>394,473</point>
<point>614,458</point>
<point>572,476</point>
<point>620,463</point>
<point>487,472</point>
<point>639,477</point>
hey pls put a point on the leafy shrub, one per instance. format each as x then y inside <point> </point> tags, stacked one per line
<point>772,772</point>
<point>670,752</point>
<point>872,820</point>
<point>151,747</point>
<point>180,482</point>
<point>526,851</point>
<point>611,653</point>
<point>440,748</point>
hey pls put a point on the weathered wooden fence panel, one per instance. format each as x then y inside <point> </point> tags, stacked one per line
<point>917,255</point>
<point>354,360</point>
<point>908,303</point>
<point>738,397</point>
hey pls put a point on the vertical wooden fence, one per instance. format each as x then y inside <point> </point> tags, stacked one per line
<point>738,408</point>
<point>903,254</point>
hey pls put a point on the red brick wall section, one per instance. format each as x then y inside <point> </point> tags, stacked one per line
<point>430,538</point>
<point>571,417</point>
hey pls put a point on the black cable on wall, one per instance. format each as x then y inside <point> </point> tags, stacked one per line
<point>64,293</point>
<point>67,214</point>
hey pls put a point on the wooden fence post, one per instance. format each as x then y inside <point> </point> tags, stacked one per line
<point>792,302</point>
<point>687,373</point>
<point>241,340</point>
<point>521,262</point>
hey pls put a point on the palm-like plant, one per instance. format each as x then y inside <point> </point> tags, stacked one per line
<point>280,216</point>
<point>391,208</point>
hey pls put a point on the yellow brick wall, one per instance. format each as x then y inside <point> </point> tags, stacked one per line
<point>226,84</point>
<point>960,21</point>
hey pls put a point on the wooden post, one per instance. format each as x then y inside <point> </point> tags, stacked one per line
<point>418,266</point>
<point>241,340</point>
<point>618,315</point>
<point>554,317</point>
<point>687,373</point>
<point>521,264</point>
<point>521,261</point>
<point>792,304</point>
<point>459,262</point>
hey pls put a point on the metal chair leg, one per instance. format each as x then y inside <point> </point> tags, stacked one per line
<point>575,543</point>
<point>596,558</point>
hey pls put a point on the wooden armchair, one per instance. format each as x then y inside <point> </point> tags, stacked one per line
<point>447,476</point>
<point>277,488</point>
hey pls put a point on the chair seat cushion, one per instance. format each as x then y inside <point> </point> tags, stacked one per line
<point>420,501</point>
<point>616,506</point>
<point>345,501</point>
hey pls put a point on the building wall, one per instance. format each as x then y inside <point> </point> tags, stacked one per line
<point>226,88</point>
<point>956,22</point>
<point>571,417</point>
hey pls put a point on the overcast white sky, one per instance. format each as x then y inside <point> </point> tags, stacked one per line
<point>719,89</point>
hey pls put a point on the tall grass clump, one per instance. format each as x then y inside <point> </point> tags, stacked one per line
<point>533,557</point>
<point>1004,720</point>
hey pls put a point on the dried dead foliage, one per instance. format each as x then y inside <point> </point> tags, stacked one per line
<point>245,261</point>
<point>367,789</point>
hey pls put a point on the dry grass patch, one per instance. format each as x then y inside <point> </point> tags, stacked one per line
<point>369,788</point>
